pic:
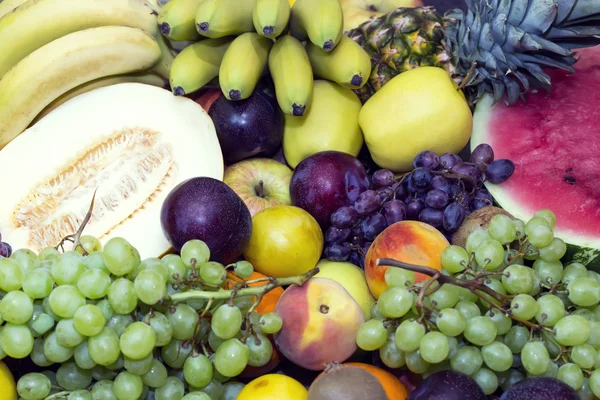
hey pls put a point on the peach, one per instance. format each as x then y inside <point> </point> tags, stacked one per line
<point>320,321</point>
<point>411,242</point>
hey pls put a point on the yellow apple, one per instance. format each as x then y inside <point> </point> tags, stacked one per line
<point>358,11</point>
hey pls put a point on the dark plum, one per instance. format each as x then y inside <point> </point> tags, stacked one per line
<point>449,160</point>
<point>247,128</point>
<point>499,171</point>
<point>427,159</point>
<point>448,385</point>
<point>383,178</point>
<point>540,388</point>
<point>344,217</point>
<point>394,211</point>
<point>482,155</point>
<point>326,181</point>
<point>207,209</point>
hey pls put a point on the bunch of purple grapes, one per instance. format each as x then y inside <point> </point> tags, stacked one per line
<point>5,249</point>
<point>440,191</point>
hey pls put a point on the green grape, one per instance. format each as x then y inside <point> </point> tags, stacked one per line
<point>391,355</point>
<point>150,286</point>
<point>104,347</point>
<point>80,395</point>
<point>517,279</point>
<point>102,390</point>
<point>573,271</point>
<point>67,268</point>
<point>550,310</point>
<point>100,373</point>
<point>524,307</point>
<point>466,295</point>
<point>475,239</point>
<point>38,284</point>
<point>194,253</point>
<point>153,264</point>
<point>37,354</point>
<point>48,254</point>
<point>213,273</point>
<point>16,307</point>
<point>54,351</point>
<point>16,340</point>
<point>468,309</point>
<point>519,228</point>
<point>94,283</point>
<point>95,260</point>
<point>539,233</point>
<point>594,382</point>
<point>445,297</point>
<point>554,251</point>
<point>214,389</point>
<point>70,377</point>
<point>371,335</point>
<point>585,392</point>
<point>489,254</point>
<point>497,356</point>
<point>502,229</point>
<point>537,288</point>
<point>40,322</point>
<point>138,367</point>
<point>408,335</point>
<point>120,322</point>
<point>530,252</point>
<point>594,339</point>
<point>198,370</point>
<point>535,358</point>
<point>261,350</point>
<point>128,386</point>
<point>515,338</point>
<point>243,269</point>
<point>11,275</point>
<point>120,257</point>
<point>416,363</point>
<point>231,391</point>
<point>89,243</point>
<point>196,396</point>
<point>176,352</point>
<point>584,291</point>
<point>226,321</point>
<point>27,259</point>
<point>452,348</point>
<point>161,325</point>
<point>451,322</point>
<point>548,215</point>
<point>467,360</point>
<point>487,380</point>
<point>34,386</point>
<point>572,330</point>
<point>434,347</point>
<point>65,300</point>
<point>66,333</point>
<point>480,330</point>
<point>550,272</point>
<point>503,322</point>
<point>138,340</point>
<point>121,296</point>
<point>454,259</point>
<point>584,355</point>
<point>271,323</point>
<point>89,320</point>
<point>48,310</point>
<point>175,266</point>
<point>156,376</point>
<point>399,277</point>
<point>184,320</point>
<point>82,356</point>
<point>243,303</point>
<point>571,374</point>
<point>231,358</point>
<point>495,285</point>
<point>395,302</point>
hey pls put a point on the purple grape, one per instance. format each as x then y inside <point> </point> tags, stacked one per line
<point>454,191</point>
<point>401,192</point>
<point>356,259</point>
<point>499,171</point>
<point>367,202</point>
<point>436,199</point>
<point>356,232</point>
<point>385,193</point>
<point>454,215</point>
<point>449,160</point>
<point>365,247</point>
<point>482,155</point>
<point>344,217</point>
<point>336,235</point>
<point>373,225</point>
<point>421,177</point>
<point>432,217</point>
<point>464,199</point>
<point>477,205</point>
<point>468,169</point>
<point>441,183</point>
<point>427,159</point>
<point>337,252</point>
<point>482,198</point>
<point>394,211</point>
<point>383,178</point>
<point>414,208</point>
<point>5,250</point>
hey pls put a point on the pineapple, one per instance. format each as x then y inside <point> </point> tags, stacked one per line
<point>497,46</point>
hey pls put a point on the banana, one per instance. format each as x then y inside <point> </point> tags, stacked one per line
<point>320,21</point>
<point>163,66</point>
<point>348,64</point>
<point>197,65</point>
<point>292,75</point>
<point>147,78</point>
<point>7,6</point>
<point>243,64</point>
<point>66,63</point>
<point>270,17</point>
<point>219,18</point>
<point>177,20</point>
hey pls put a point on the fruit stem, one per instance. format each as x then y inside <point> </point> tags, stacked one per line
<point>61,395</point>
<point>260,189</point>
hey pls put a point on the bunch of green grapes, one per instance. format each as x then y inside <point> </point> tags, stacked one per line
<point>505,308</point>
<point>116,327</point>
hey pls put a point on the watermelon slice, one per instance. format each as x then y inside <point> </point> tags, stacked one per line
<point>554,141</point>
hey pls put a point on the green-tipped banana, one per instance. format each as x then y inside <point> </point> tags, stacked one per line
<point>219,18</point>
<point>348,64</point>
<point>271,17</point>
<point>292,74</point>
<point>197,65</point>
<point>177,20</point>
<point>320,21</point>
<point>243,64</point>
<point>66,63</point>
<point>35,23</point>
<point>7,6</point>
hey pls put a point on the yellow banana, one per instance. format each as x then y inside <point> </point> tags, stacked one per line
<point>348,64</point>
<point>7,6</point>
<point>320,21</point>
<point>271,17</point>
<point>292,75</point>
<point>243,64</point>
<point>219,18</point>
<point>177,20</point>
<point>197,65</point>
<point>163,66</point>
<point>66,63</point>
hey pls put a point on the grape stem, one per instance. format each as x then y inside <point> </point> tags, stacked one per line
<point>56,396</point>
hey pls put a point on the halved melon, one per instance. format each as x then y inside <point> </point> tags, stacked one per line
<point>132,142</point>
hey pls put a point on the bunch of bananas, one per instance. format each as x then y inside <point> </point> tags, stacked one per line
<point>53,50</point>
<point>240,40</point>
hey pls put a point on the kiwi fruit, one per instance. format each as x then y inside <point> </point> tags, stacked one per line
<point>475,221</point>
<point>345,382</point>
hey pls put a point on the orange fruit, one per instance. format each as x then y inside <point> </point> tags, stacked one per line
<point>269,300</point>
<point>273,387</point>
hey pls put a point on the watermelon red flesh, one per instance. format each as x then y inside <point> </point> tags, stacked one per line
<point>554,141</point>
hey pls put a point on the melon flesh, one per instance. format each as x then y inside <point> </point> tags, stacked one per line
<point>554,141</point>
<point>132,142</point>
